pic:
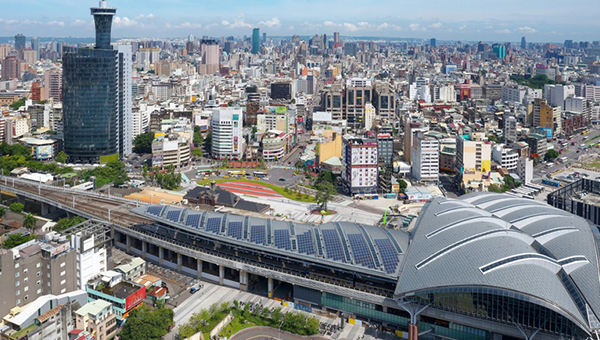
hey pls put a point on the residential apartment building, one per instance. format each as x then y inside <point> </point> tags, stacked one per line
<point>274,145</point>
<point>384,100</point>
<point>97,317</point>
<point>331,101</point>
<point>425,156</point>
<point>34,269</point>
<point>557,94</point>
<point>227,139</point>
<point>506,158</point>
<point>546,116</point>
<point>513,93</point>
<point>537,144</point>
<point>385,149</point>
<point>359,165</point>
<point>358,93</point>
<point>170,149</point>
<point>473,154</point>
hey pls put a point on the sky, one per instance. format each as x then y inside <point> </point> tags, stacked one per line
<point>467,20</point>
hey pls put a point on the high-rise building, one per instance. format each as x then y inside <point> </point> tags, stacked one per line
<point>35,45</point>
<point>53,84</point>
<point>227,133</point>
<point>336,37</point>
<point>358,94</point>
<point>209,48</point>
<point>425,156</point>
<point>568,43</point>
<point>20,41</point>
<point>433,42</point>
<point>11,68</point>
<point>473,156</point>
<point>360,165</point>
<point>97,96</point>
<point>264,38</point>
<point>256,41</point>
<point>500,51</point>
<point>523,43</point>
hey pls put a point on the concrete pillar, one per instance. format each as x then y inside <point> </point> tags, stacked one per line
<point>270,287</point>
<point>221,274</point>
<point>385,309</point>
<point>161,255</point>
<point>144,248</point>
<point>21,199</point>
<point>44,208</point>
<point>413,332</point>
<point>244,280</point>
<point>179,261</point>
<point>128,243</point>
<point>199,268</point>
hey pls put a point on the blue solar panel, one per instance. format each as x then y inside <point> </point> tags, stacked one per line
<point>333,246</point>
<point>282,239</point>
<point>305,243</point>
<point>389,255</point>
<point>360,250</point>
<point>154,210</point>
<point>235,229</point>
<point>193,220</point>
<point>257,234</point>
<point>173,215</point>
<point>213,224</point>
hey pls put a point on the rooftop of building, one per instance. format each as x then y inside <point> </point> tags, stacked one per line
<point>93,308</point>
<point>121,290</point>
<point>131,265</point>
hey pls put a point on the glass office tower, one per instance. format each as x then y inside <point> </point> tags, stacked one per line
<point>90,96</point>
<point>256,41</point>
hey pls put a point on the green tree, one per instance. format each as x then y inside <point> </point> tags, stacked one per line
<point>17,103</point>
<point>230,103</point>
<point>495,188</point>
<point>143,143</point>
<point>145,323</point>
<point>197,152</point>
<point>14,240</point>
<point>325,192</point>
<point>113,171</point>
<point>16,207</point>
<point>326,176</point>
<point>2,212</point>
<point>551,154</point>
<point>61,157</point>
<point>65,223</point>
<point>402,185</point>
<point>29,222</point>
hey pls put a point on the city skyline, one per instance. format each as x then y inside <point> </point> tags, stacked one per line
<point>507,21</point>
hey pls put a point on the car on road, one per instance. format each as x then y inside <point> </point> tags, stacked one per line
<point>282,179</point>
<point>194,289</point>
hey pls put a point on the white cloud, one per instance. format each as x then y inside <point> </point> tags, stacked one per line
<point>292,27</point>
<point>271,23</point>
<point>526,29</point>
<point>126,22</point>
<point>330,24</point>
<point>79,22</point>
<point>489,27</point>
<point>188,24</point>
<point>435,25</point>
<point>504,31</point>
<point>462,27</point>
<point>386,26</point>
<point>57,23</point>
<point>209,26</point>
<point>167,25</point>
<point>240,23</point>
<point>363,24</point>
<point>150,16</point>
<point>350,27</point>
<point>225,23</point>
<point>414,27</point>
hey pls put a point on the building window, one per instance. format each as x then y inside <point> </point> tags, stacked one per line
<point>17,284</point>
<point>39,282</point>
<point>17,274</point>
<point>26,288</point>
<point>63,282</point>
<point>16,265</point>
<point>63,290</point>
<point>25,271</point>
<point>18,301</point>
<point>39,291</point>
<point>38,273</point>
<point>62,264</point>
<point>38,265</point>
<point>26,297</point>
<point>25,280</point>
<point>18,292</point>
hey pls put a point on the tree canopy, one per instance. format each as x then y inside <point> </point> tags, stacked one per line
<point>325,192</point>
<point>536,82</point>
<point>168,179</point>
<point>62,157</point>
<point>551,154</point>
<point>145,323</point>
<point>113,171</point>
<point>14,240</point>
<point>143,143</point>
<point>17,103</point>
<point>65,223</point>
<point>16,207</point>
<point>402,185</point>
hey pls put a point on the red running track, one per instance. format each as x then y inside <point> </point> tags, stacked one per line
<point>249,188</point>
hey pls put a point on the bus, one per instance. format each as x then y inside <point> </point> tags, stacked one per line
<point>550,182</point>
<point>260,174</point>
<point>565,143</point>
<point>585,137</point>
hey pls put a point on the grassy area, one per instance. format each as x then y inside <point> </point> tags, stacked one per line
<point>277,189</point>
<point>236,325</point>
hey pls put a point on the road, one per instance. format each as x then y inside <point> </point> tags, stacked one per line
<point>263,333</point>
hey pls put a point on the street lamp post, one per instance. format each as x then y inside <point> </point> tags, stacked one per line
<point>281,324</point>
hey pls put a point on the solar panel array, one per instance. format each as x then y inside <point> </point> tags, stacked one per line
<point>389,255</point>
<point>370,245</point>
<point>305,243</point>
<point>257,234</point>
<point>245,228</point>
<point>235,229</point>
<point>360,250</point>
<point>173,215</point>
<point>282,239</point>
<point>333,246</point>
<point>212,224</point>
<point>154,210</point>
<point>344,245</point>
<point>394,242</point>
<point>319,245</point>
<point>193,220</point>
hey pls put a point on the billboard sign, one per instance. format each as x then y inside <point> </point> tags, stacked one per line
<point>135,298</point>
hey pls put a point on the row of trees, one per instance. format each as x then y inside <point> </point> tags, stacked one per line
<point>145,323</point>
<point>509,184</point>
<point>113,171</point>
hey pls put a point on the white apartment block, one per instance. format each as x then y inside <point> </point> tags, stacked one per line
<point>227,139</point>
<point>425,158</point>
<point>507,158</point>
<point>513,93</point>
<point>557,94</point>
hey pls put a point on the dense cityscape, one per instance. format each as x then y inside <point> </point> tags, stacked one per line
<point>268,187</point>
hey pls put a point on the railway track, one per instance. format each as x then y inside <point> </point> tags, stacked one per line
<point>115,210</point>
